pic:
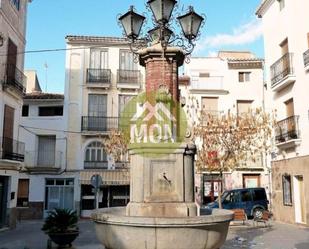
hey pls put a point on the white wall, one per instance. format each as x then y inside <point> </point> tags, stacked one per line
<point>277,26</point>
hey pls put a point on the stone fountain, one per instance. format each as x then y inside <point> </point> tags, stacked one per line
<point>162,213</point>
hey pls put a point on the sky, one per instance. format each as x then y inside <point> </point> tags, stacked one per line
<point>230,25</point>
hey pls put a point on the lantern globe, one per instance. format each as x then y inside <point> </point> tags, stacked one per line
<point>132,23</point>
<point>162,9</point>
<point>190,24</point>
<point>160,34</point>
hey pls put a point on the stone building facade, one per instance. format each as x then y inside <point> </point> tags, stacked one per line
<point>12,87</point>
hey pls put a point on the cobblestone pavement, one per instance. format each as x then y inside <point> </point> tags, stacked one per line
<point>277,236</point>
<point>28,235</point>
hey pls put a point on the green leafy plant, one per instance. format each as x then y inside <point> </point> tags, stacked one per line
<point>61,221</point>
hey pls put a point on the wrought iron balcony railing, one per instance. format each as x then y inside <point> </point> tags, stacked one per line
<point>11,149</point>
<point>306,58</point>
<point>99,76</point>
<point>104,165</point>
<point>281,68</point>
<point>128,76</point>
<point>103,124</point>
<point>15,78</point>
<point>95,164</point>
<point>287,129</point>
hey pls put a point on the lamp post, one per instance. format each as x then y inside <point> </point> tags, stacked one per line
<point>163,32</point>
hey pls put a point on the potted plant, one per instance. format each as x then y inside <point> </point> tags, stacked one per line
<point>61,226</point>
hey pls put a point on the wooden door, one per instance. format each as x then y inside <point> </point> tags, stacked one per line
<point>289,105</point>
<point>302,199</point>
<point>284,47</point>
<point>8,130</point>
<point>11,60</point>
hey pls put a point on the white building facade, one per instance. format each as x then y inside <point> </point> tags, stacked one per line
<point>101,77</point>
<point>12,87</point>
<point>286,66</point>
<point>44,182</point>
<point>231,81</point>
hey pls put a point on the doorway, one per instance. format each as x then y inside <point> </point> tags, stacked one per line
<point>299,199</point>
<point>3,199</point>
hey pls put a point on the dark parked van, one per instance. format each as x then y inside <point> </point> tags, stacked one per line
<point>252,200</point>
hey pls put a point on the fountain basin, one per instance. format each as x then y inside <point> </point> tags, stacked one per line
<point>115,230</point>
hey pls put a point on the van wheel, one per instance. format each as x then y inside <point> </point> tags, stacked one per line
<point>258,213</point>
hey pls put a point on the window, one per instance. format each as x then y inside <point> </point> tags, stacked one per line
<point>204,75</point>
<point>287,193</point>
<point>97,105</point>
<point>281,4</point>
<point>284,46</point>
<point>122,103</point>
<point>95,153</point>
<point>46,151</point>
<point>289,106</point>
<point>246,196</point>
<point>243,106</point>
<point>59,193</point>
<point>50,110</point>
<point>126,60</point>
<point>25,111</point>
<point>233,197</point>
<point>244,76</point>
<point>99,59</point>
<point>23,193</point>
<point>16,3</point>
<point>210,105</point>
<point>259,195</point>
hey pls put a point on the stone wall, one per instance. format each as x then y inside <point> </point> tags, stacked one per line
<point>294,167</point>
<point>32,212</point>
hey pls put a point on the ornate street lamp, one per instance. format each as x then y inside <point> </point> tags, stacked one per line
<point>132,23</point>
<point>190,24</point>
<point>163,33</point>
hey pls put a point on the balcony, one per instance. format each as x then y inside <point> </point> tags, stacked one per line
<point>95,164</point>
<point>287,132</point>
<point>282,72</point>
<point>98,77</point>
<point>44,160</point>
<point>207,84</point>
<point>104,165</point>
<point>306,59</point>
<point>15,79</point>
<point>11,149</point>
<point>99,124</point>
<point>128,79</point>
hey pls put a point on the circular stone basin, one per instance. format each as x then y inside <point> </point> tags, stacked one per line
<point>115,230</point>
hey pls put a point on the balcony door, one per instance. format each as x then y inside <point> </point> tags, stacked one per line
<point>99,59</point>
<point>46,151</point>
<point>8,132</point>
<point>11,61</point>
<point>97,112</point>
<point>127,67</point>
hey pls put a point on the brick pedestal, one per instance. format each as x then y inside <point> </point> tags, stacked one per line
<point>162,68</point>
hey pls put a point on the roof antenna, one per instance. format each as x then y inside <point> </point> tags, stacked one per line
<point>46,67</point>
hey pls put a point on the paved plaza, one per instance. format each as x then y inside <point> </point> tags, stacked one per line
<point>28,235</point>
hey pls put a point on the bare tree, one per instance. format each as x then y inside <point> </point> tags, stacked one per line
<point>226,141</point>
<point>116,145</point>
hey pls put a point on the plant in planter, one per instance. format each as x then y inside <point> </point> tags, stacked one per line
<point>61,226</point>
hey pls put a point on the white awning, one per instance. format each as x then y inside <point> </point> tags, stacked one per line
<point>109,177</point>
